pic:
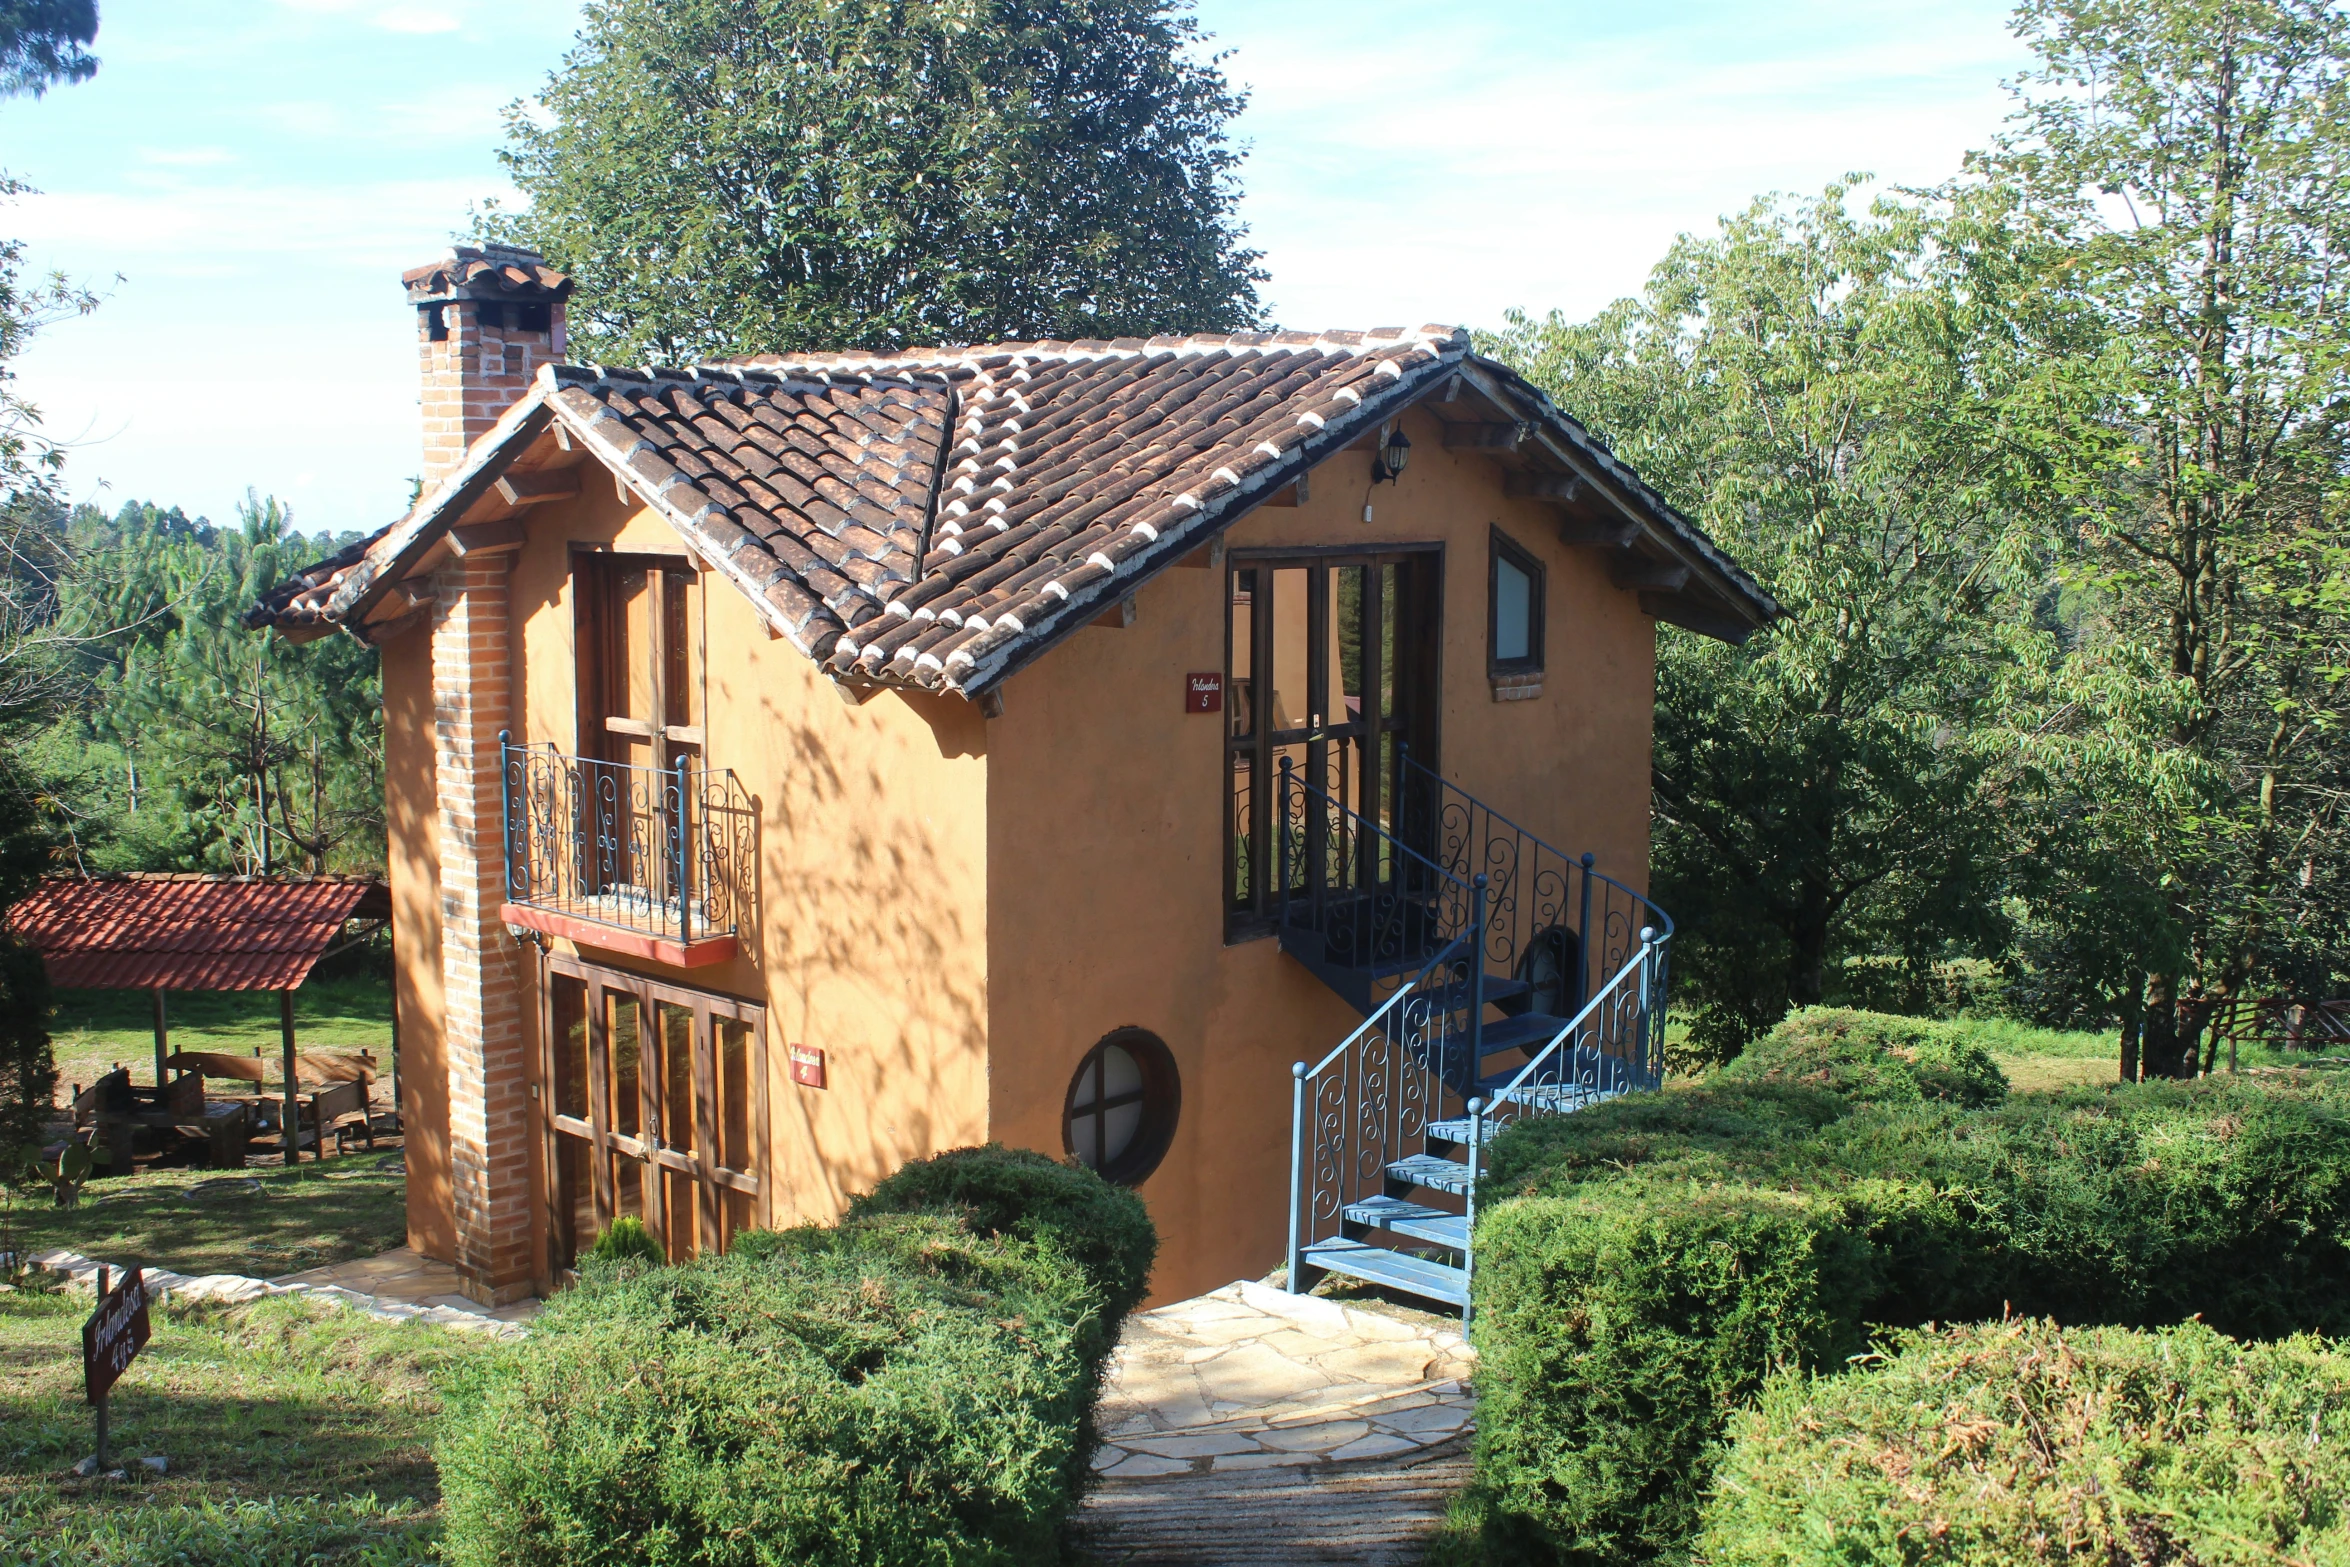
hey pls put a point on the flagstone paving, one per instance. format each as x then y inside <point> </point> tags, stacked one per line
<point>1250,1377</point>
<point>396,1284</point>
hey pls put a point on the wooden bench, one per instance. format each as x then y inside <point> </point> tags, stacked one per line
<point>115,1110</point>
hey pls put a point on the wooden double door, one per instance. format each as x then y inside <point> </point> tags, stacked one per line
<point>657,1110</point>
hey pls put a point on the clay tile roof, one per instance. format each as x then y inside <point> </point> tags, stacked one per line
<point>934,518</point>
<point>190,932</point>
<point>485,272</point>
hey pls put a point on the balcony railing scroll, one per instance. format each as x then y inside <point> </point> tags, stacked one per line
<point>1551,918</point>
<point>667,853</point>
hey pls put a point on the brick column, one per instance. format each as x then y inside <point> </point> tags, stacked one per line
<point>486,977</point>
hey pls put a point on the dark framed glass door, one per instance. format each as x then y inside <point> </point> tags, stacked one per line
<point>1331,667</point>
<point>657,1110</point>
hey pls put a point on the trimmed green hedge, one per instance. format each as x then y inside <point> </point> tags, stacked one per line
<point>1663,1255</point>
<point>2016,1442</point>
<point>903,1388</point>
<point>1873,1058</point>
<point>1102,1227</point>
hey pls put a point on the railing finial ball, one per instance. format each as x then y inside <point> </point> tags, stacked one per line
<point>1589,859</point>
<point>1648,935</point>
<point>1297,1069</point>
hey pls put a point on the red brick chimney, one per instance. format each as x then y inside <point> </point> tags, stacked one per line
<point>487,316</point>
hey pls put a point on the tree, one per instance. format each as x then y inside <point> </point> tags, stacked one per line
<point>44,42</point>
<point>205,746</point>
<point>2193,153</point>
<point>1825,392</point>
<point>735,176</point>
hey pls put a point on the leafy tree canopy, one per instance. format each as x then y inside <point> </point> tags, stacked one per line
<point>1824,390</point>
<point>44,42</point>
<point>734,176</point>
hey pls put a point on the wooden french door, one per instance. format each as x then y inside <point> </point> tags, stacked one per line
<point>1331,666</point>
<point>637,624</point>
<point>657,1109</point>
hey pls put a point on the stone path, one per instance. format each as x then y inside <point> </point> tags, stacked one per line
<point>1372,1513</point>
<point>1253,1426</point>
<point>400,1276</point>
<point>398,1286</point>
<point>1249,1377</point>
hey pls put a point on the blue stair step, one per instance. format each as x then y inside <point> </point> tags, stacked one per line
<point>1456,1130</point>
<point>1451,998</point>
<point>1551,1098</point>
<point>1377,1265</point>
<point>1426,1169</point>
<point>1527,1031</point>
<point>1413,1220</point>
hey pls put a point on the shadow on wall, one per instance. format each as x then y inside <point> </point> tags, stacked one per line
<point>878,921</point>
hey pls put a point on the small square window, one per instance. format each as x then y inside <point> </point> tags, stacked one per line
<point>1514,645</point>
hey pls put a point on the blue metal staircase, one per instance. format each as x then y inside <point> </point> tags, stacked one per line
<point>1498,979</point>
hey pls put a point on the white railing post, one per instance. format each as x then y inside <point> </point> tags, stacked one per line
<point>1651,1042</point>
<point>1476,1173</point>
<point>1297,1133</point>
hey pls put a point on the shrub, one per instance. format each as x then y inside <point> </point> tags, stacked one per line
<point>2016,1442</point>
<point>1873,1057</point>
<point>1627,1307</point>
<point>906,1387</point>
<point>628,1241</point>
<point>1102,1227</point>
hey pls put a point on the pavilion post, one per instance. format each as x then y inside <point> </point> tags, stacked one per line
<point>162,1038</point>
<point>293,1111</point>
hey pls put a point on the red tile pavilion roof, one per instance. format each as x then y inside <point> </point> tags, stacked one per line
<point>190,932</point>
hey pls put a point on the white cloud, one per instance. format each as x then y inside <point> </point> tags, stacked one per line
<point>416,19</point>
<point>186,157</point>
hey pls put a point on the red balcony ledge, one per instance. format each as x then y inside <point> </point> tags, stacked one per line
<point>698,953</point>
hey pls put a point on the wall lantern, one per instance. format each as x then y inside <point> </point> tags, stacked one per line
<point>1393,453</point>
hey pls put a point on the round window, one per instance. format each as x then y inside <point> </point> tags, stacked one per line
<point>1122,1106</point>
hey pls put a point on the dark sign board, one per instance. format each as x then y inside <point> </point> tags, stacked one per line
<point>114,1335</point>
<point>1203,693</point>
<point>807,1067</point>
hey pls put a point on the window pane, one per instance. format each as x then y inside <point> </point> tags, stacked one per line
<point>571,1047</point>
<point>1346,628</point>
<point>626,1104</point>
<point>734,1094</point>
<point>677,1082</point>
<point>1292,703</point>
<point>1237,707</point>
<point>1513,611</point>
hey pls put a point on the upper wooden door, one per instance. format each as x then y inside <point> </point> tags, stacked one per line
<point>1330,666</point>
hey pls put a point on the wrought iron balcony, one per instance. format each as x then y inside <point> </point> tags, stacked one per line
<point>657,862</point>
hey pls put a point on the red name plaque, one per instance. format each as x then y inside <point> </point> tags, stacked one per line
<point>1203,693</point>
<point>807,1067</point>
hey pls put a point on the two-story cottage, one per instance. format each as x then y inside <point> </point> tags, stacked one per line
<point>804,764</point>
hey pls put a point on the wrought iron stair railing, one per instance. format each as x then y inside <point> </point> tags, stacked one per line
<point>1552,919</point>
<point>1426,922</point>
<point>666,853</point>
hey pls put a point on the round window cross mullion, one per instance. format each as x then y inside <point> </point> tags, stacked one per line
<point>1122,1106</point>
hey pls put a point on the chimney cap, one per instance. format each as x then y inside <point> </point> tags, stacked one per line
<point>507,272</point>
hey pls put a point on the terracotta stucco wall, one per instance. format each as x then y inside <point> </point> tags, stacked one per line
<point>413,826</point>
<point>1106,819</point>
<point>873,913</point>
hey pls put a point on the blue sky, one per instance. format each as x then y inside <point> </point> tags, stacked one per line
<point>246,180</point>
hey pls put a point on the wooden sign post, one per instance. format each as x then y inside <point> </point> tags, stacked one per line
<point>111,1340</point>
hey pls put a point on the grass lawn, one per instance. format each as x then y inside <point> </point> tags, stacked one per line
<point>306,1217</point>
<point>97,1029</point>
<point>295,1432</point>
